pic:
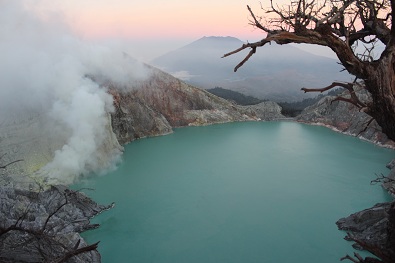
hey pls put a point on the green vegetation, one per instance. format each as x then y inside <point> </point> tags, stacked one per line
<point>234,96</point>
<point>293,109</point>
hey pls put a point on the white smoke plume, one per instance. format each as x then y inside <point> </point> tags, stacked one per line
<point>43,70</point>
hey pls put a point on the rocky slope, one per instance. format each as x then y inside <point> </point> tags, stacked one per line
<point>144,108</point>
<point>346,118</point>
<point>163,102</point>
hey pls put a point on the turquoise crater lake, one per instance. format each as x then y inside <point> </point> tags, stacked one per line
<point>238,192</point>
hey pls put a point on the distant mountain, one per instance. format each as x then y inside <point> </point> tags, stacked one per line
<point>274,72</point>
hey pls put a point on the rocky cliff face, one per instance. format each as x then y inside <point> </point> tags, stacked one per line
<point>143,108</point>
<point>267,110</point>
<point>372,229</point>
<point>346,118</point>
<point>155,106</point>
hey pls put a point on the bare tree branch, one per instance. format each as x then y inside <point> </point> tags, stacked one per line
<point>8,164</point>
<point>76,251</point>
<point>366,126</point>
<point>47,244</point>
<point>54,212</point>
<point>349,86</point>
<point>382,179</point>
<point>357,260</point>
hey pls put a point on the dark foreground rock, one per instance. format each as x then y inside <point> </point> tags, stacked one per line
<point>44,226</point>
<point>368,226</point>
<point>373,229</point>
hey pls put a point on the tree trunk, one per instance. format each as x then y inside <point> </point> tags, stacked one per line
<point>381,84</point>
<point>391,231</point>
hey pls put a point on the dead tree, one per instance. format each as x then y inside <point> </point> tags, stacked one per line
<point>341,25</point>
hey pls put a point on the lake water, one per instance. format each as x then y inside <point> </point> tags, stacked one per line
<point>238,192</point>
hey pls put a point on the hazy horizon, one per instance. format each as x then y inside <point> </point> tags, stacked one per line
<point>49,47</point>
<point>148,29</point>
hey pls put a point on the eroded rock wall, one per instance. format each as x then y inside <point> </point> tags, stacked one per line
<point>346,118</point>
<point>155,106</point>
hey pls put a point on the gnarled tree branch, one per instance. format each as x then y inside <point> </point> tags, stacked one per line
<point>349,86</point>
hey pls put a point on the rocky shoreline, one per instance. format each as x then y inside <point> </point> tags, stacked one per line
<point>345,118</point>
<point>367,227</point>
<point>40,214</point>
<point>42,221</point>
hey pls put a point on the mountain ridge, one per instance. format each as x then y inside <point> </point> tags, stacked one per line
<point>275,72</point>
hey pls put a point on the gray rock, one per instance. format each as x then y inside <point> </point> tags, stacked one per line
<point>155,106</point>
<point>49,224</point>
<point>391,165</point>
<point>346,118</point>
<point>370,230</point>
<point>133,119</point>
<point>267,110</point>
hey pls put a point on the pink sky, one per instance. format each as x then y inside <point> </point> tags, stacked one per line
<point>152,19</point>
<point>149,28</point>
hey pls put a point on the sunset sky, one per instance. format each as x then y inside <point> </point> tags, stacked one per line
<point>146,29</point>
<point>152,27</point>
<point>159,19</point>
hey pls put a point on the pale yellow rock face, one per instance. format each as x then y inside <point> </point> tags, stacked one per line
<point>51,153</point>
<point>33,140</point>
